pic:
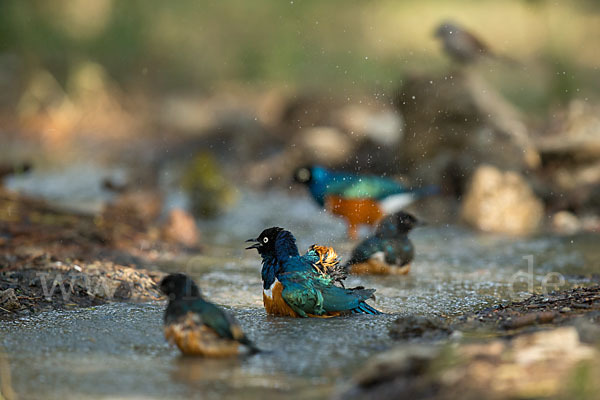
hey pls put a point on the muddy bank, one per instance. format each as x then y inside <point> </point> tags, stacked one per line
<point>51,258</point>
<point>543,347</point>
<point>555,308</point>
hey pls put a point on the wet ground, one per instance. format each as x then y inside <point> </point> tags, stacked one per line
<point>118,351</point>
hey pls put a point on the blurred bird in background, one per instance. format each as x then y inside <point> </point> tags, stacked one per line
<point>463,46</point>
<point>389,251</point>
<point>359,199</point>
<point>197,326</point>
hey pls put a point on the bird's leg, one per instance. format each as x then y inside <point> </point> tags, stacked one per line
<point>352,231</point>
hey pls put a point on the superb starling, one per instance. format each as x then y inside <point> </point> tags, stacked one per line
<point>293,287</point>
<point>199,327</point>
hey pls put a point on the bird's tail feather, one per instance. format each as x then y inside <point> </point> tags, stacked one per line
<point>251,346</point>
<point>364,308</point>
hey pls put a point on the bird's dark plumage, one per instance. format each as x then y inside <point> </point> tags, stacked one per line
<point>293,286</point>
<point>389,251</point>
<point>197,326</point>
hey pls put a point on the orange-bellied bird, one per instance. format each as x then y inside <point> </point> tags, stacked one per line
<point>389,251</point>
<point>360,199</point>
<point>199,327</point>
<point>294,287</point>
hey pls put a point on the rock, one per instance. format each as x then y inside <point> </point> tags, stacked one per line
<point>565,222</point>
<point>181,228</point>
<point>501,202</point>
<point>573,132</point>
<point>383,127</point>
<point>9,300</point>
<point>588,329</point>
<point>542,364</point>
<point>454,123</point>
<point>412,326</point>
<point>570,151</point>
<point>324,145</point>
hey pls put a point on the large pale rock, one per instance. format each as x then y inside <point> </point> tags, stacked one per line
<point>502,202</point>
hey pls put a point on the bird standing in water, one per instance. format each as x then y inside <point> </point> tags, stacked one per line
<point>199,327</point>
<point>389,251</point>
<point>293,286</point>
<point>359,199</point>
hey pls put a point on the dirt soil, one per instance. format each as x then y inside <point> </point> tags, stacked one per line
<point>53,259</point>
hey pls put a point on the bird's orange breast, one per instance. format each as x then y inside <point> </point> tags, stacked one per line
<point>356,211</point>
<point>197,339</point>
<point>378,267</point>
<point>274,302</point>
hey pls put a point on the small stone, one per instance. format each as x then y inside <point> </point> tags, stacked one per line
<point>9,300</point>
<point>565,222</point>
<point>565,310</point>
<point>181,228</point>
<point>325,145</point>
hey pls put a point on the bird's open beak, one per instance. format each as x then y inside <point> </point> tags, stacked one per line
<point>256,244</point>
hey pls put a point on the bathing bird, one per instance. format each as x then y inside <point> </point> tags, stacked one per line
<point>389,251</point>
<point>359,199</point>
<point>294,287</point>
<point>199,327</point>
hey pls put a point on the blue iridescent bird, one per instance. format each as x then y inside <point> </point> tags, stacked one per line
<point>293,286</point>
<point>359,199</point>
<point>389,250</point>
<point>199,327</point>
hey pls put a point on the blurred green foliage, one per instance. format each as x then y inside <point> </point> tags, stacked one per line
<point>350,44</point>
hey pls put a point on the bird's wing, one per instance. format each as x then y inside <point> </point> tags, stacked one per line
<point>398,252</point>
<point>309,293</point>
<point>223,323</point>
<point>365,250</point>
<point>475,43</point>
<point>300,294</point>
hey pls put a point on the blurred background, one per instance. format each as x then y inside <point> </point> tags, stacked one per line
<point>215,96</point>
<point>143,137</point>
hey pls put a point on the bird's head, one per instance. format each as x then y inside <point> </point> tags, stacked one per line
<point>179,286</point>
<point>303,175</point>
<point>275,243</point>
<point>265,242</point>
<point>398,223</point>
<point>446,29</point>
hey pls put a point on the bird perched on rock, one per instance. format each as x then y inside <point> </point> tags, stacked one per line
<point>462,46</point>
<point>199,327</point>
<point>359,199</point>
<point>389,251</point>
<point>294,287</point>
